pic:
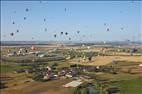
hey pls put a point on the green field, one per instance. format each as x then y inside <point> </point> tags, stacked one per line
<point>133,86</point>
<point>11,68</point>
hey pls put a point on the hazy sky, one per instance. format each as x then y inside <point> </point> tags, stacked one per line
<point>122,18</point>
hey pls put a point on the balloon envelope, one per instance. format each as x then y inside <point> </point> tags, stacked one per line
<point>55,35</point>
<point>26,9</point>
<point>13,22</point>
<point>17,30</point>
<point>108,29</point>
<point>61,33</point>
<point>11,34</point>
<point>66,33</point>
<point>25,18</point>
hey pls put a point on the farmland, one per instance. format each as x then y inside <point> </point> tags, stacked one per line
<point>27,74</point>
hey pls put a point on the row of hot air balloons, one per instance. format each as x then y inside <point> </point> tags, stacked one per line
<point>13,22</point>
<point>66,33</point>
<point>108,29</point>
<point>61,33</point>
<point>45,29</point>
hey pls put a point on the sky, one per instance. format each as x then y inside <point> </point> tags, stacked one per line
<point>91,18</point>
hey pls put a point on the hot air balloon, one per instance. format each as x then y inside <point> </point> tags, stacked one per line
<point>25,18</point>
<point>17,30</point>
<point>108,29</point>
<point>40,1</point>
<point>45,29</point>
<point>61,33</point>
<point>44,19</point>
<point>122,28</point>
<point>13,22</point>
<point>14,11</point>
<point>78,31</point>
<point>104,24</point>
<point>66,33</point>
<point>33,47</point>
<point>69,38</point>
<point>11,34</point>
<point>55,35</point>
<point>65,9</point>
<point>26,9</point>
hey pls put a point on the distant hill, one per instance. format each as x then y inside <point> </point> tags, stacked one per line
<point>6,43</point>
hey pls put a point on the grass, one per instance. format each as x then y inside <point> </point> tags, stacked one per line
<point>6,68</point>
<point>133,86</point>
<point>11,68</point>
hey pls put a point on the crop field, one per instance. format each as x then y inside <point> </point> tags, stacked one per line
<point>103,60</point>
<point>24,83</point>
